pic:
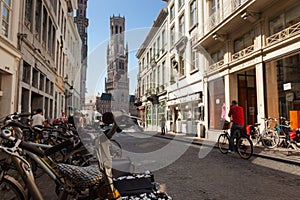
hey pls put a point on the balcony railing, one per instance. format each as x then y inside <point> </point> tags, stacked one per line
<point>218,16</point>
<point>286,33</point>
<point>216,65</point>
<point>243,53</point>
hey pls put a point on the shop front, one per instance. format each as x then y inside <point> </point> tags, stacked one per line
<point>282,88</point>
<point>183,114</point>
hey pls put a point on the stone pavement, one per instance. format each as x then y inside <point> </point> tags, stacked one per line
<point>277,154</point>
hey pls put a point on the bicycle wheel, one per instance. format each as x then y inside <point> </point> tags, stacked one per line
<point>244,147</point>
<point>10,189</point>
<point>270,139</point>
<point>255,138</point>
<point>115,149</point>
<point>223,143</point>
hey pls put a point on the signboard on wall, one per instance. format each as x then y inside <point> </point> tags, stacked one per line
<point>287,86</point>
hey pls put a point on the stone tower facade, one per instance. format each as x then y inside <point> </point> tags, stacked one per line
<point>82,23</point>
<point>117,82</point>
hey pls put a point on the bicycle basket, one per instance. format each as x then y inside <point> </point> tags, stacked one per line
<point>226,125</point>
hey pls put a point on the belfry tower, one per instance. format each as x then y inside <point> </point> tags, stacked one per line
<point>117,82</point>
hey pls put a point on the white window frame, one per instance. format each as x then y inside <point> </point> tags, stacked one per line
<point>8,5</point>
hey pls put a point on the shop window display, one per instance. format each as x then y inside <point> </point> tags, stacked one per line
<point>283,86</point>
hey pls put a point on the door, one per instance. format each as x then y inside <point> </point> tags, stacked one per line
<point>247,95</point>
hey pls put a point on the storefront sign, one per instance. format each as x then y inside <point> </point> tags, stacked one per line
<point>287,86</point>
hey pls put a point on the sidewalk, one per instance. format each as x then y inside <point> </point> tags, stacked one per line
<point>277,154</point>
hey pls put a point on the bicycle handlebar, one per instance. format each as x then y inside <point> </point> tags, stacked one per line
<point>6,134</point>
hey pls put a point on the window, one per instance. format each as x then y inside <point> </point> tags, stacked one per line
<point>181,25</point>
<point>42,82</point>
<point>182,64</point>
<point>163,72</point>
<point>194,59</point>
<point>216,97</point>
<point>28,13</point>
<point>35,78</point>
<point>26,73</point>
<point>215,13</point>
<point>5,15</point>
<point>158,47</point>
<point>154,50</point>
<point>121,65</point>
<point>173,69</point>
<point>217,56</point>
<point>245,41</point>
<point>38,17</point>
<point>163,41</point>
<point>172,36</point>
<point>180,3</point>
<point>158,75</point>
<point>45,18</point>
<point>285,20</point>
<point>193,13</point>
<point>172,12</point>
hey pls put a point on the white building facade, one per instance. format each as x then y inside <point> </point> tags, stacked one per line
<point>9,55</point>
<point>219,51</point>
<point>175,75</point>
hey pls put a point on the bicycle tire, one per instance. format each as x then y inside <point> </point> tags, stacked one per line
<point>244,147</point>
<point>223,143</point>
<point>10,189</point>
<point>270,139</point>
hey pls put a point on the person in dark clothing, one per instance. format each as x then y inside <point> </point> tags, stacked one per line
<point>162,125</point>
<point>236,113</point>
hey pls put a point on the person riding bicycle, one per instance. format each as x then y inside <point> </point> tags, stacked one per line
<point>236,113</point>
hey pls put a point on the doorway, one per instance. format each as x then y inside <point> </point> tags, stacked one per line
<point>247,95</point>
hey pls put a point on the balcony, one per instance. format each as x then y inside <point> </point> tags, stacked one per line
<point>216,65</point>
<point>243,53</point>
<point>219,16</point>
<point>284,34</point>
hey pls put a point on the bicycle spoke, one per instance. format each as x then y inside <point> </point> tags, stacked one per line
<point>223,143</point>
<point>244,147</point>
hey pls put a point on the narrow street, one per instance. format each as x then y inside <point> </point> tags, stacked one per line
<point>217,176</point>
<point>213,176</point>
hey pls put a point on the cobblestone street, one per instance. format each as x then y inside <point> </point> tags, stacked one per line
<point>215,176</point>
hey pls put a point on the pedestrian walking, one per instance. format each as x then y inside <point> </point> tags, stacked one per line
<point>162,125</point>
<point>236,113</point>
<point>38,118</point>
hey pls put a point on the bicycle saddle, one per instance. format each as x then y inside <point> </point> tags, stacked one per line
<point>81,177</point>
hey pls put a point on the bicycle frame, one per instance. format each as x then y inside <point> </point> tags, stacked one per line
<point>23,168</point>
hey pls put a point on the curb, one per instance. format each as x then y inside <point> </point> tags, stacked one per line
<point>199,143</point>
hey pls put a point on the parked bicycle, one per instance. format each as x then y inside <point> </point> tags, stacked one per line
<point>243,145</point>
<point>72,182</point>
<point>288,138</point>
<point>267,137</point>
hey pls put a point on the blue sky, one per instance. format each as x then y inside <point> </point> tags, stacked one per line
<point>139,16</point>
